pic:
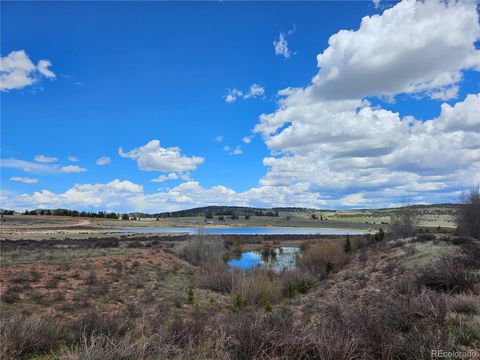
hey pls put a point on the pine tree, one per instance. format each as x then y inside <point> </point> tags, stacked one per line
<point>190,296</point>
<point>348,245</point>
<point>381,234</point>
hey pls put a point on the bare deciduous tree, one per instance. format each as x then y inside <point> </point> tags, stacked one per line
<point>403,221</point>
<point>468,214</point>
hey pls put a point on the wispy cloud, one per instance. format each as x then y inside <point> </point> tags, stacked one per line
<point>247,139</point>
<point>253,91</point>
<point>162,178</point>
<point>281,45</point>
<point>39,168</point>
<point>232,95</point>
<point>104,160</point>
<point>24,180</point>
<point>27,166</point>
<point>72,169</point>
<point>45,159</point>
<point>235,151</point>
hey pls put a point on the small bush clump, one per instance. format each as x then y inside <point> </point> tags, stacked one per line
<point>449,274</point>
<point>320,259</point>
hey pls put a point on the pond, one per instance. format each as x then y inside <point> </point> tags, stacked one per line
<point>277,259</point>
<point>249,231</point>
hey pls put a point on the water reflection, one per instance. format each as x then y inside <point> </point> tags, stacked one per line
<point>276,259</point>
<point>247,231</point>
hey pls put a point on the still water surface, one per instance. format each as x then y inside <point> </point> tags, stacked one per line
<point>249,231</point>
<point>282,258</point>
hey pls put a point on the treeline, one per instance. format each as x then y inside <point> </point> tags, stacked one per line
<point>227,211</point>
<point>210,211</point>
<point>74,213</point>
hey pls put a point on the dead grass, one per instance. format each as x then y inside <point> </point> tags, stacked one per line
<point>365,306</point>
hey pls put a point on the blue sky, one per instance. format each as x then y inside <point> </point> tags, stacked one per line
<point>119,75</point>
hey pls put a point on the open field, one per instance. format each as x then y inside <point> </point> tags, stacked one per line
<point>76,288</point>
<point>151,298</point>
<point>58,227</point>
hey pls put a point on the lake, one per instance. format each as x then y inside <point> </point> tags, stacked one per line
<point>248,231</point>
<point>279,259</point>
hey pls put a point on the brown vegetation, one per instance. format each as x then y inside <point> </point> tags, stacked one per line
<point>146,303</point>
<point>468,214</point>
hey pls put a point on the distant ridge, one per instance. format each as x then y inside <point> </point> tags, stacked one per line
<point>230,210</point>
<point>214,210</point>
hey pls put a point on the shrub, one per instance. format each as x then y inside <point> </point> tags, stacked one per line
<point>425,237</point>
<point>252,336</point>
<point>100,289</point>
<point>93,323</point>
<point>464,333</point>
<point>468,214</point>
<point>257,286</point>
<point>20,278</point>
<point>21,335</point>
<point>104,348</point>
<point>320,259</point>
<point>10,296</point>
<point>403,221</point>
<point>214,276</point>
<point>409,250</point>
<point>91,278</point>
<point>360,243</point>
<point>135,244</point>
<point>238,303</point>
<point>147,297</point>
<point>118,267</point>
<point>132,310</point>
<point>53,282</point>
<point>295,282</point>
<point>449,274</point>
<point>458,240</point>
<point>35,276</point>
<point>201,249</point>
<point>186,330</point>
<point>471,251</point>
<point>37,297</point>
<point>464,304</point>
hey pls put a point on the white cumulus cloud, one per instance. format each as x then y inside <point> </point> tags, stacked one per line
<point>413,47</point>
<point>18,71</point>
<point>153,157</point>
